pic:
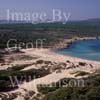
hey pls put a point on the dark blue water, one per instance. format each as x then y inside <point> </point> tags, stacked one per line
<point>89,49</point>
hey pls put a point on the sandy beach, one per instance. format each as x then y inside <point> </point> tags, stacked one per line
<point>48,55</point>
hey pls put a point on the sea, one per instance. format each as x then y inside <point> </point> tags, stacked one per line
<point>88,49</point>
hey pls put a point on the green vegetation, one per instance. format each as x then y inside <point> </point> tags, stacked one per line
<point>39,62</point>
<point>74,94</point>
<point>90,91</point>
<point>45,89</point>
<point>81,73</point>
<point>18,67</point>
<point>21,75</point>
<point>82,63</point>
<point>53,33</point>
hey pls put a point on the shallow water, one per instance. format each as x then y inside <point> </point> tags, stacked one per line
<point>89,49</point>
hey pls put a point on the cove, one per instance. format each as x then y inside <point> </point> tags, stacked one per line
<point>89,49</point>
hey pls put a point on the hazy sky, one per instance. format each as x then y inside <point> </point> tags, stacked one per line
<point>79,9</point>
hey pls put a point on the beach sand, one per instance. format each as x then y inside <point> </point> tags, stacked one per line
<point>48,55</point>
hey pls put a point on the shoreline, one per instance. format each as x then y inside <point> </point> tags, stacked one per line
<point>67,42</point>
<point>55,58</point>
<point>63,44</point>
<point>48,55</point>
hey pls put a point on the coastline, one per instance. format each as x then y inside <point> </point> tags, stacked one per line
<point>67,42</point>
<point>49,51</point>
<point>55,58</point>
<point>48,55</point>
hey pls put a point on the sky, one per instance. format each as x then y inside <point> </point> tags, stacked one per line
<point>79,9</point>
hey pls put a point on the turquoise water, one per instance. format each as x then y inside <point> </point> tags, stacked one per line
<point>89,49</point>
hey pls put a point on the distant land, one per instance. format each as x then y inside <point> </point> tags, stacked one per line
<point>95,21</point>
